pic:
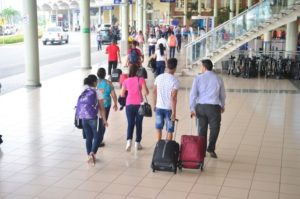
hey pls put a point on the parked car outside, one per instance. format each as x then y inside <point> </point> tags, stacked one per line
<point>1,30</point>
<point>55,35</point>
<point>106,36</point>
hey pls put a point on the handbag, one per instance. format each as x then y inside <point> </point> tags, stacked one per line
<point>78,122</point>
<point>145,108</point>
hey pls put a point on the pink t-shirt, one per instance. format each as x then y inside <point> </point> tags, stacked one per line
<point>134,96</point>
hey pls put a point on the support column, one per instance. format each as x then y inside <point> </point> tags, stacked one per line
<point>85,35</point>
<point>185,12</point>
<point>216,11</point>
<point>237,7</point>
<point>199,7</point>
<point>100,16</point>
<point>291,38</point>
<point>69,19</point>
<point>267,41</point>
<point>124,41</point>
<point>131,14</point>
<point>231,7</point>
<point>249,3</point>
<point>32,65</point>
<point>144,18</point>
<point>139,15</point>
<point>110,16</point>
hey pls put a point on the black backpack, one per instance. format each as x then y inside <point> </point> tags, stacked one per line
<point>1,141</point>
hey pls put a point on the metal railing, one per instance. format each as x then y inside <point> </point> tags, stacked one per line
<point>250,19</point>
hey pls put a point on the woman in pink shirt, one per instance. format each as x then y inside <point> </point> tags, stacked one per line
<point>136,88</point>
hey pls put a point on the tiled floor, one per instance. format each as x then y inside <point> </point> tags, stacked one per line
<point>43,155</point>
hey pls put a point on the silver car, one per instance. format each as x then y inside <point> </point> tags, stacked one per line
<point>55,35</point>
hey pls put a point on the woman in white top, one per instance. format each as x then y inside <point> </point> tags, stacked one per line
<point>161,59</point>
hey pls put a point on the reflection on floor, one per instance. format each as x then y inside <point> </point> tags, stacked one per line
<point>43,155</point>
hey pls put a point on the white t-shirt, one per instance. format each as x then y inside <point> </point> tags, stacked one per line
<point>159,57</point>
<point>162,41</point>
<point>165,83</point>
<point>152,41</point>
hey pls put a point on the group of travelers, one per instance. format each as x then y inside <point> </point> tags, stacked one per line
<point>207,96</point>
<point>207,102</point>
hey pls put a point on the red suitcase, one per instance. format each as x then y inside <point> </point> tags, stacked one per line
<point>192,152</point>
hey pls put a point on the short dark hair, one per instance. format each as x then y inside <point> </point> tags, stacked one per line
<point>172,63</point>
<point>90,80</point>
<point>135,43</point>
<point>101,73</point>
<point>207,64</point>
<point>133,70</point>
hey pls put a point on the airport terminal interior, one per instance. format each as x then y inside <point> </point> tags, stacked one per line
<point>43,154</point>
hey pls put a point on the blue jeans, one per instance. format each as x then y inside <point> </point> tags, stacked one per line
<point>101,128</point>
<point>163,116</point>
<point>160,67</point>
<point>92,136</point>
<point>151,50</point>
<point>134,119</point>
<point>172,52</point>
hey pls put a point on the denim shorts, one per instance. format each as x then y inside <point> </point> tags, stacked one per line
<point>162,116</point>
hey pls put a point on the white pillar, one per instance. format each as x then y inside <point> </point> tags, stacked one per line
<point>216,10</point>
<point>100,16</point>
<point>140,15</point>
<point>69,19</point>
<point>85,35</point>
<point>237,7</point>
<point>32,67</point>
<point>144,17</point>
<point>231,7</point>
<point>199,7</point>
<point>249,3</point>
<point>267,41</point>
<point>291,37</point>
<point>124,31</point>
<point>110,16</point>
<point>131,14</point>
<point>120,14</point>
<point>184,12</point>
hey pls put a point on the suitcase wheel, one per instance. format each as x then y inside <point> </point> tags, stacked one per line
<point>201,167</point>
<point>153,170</point>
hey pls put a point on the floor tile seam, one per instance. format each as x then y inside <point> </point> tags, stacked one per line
<point>244,134</point>
<point>137,183</point>
<point>236,151</point>
<point>260,147</point>
<point>282,152</point>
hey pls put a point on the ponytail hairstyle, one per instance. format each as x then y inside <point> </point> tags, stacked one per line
<point>161,49</point>
<point>90,80</point>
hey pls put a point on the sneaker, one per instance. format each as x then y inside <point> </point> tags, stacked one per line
<point>212,154</point>
<point>128,145</point>
<point>138,146</point>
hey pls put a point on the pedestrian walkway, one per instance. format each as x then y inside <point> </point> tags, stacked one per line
<point>43,155</point>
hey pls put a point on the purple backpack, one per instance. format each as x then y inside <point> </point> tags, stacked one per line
<point>87,104</point>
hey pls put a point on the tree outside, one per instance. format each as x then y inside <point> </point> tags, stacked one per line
<point>10,15</point>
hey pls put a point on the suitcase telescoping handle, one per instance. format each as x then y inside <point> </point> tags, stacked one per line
<point>176,126</point>
<point>197,125</point>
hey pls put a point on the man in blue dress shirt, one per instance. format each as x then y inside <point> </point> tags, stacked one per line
<point>207,102</point>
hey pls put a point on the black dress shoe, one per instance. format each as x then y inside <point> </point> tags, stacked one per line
<point>102,144</point>
<point>212,154</point>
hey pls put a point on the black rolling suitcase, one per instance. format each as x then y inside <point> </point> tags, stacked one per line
<point>115,75</point>
<point>165,156</point>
